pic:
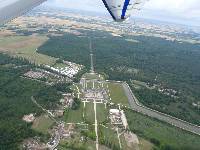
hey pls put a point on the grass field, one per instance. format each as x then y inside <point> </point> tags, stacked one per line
<point>109,135</point>
<point>162,132</point>
<point>145,145</point>
<point>60,65</point>
<point>26,47</point>
<point>89,113</point>
<point>74,116</point>
<point>93,76</point>
<point>102,113</point>
<point>42,124</point>
<point>139,84</point>
<point>117,93</point>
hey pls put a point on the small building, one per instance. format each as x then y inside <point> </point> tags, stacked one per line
<point>29,118</point>
<point>67,100</point>
<point>115,117</point>
<point>123,118</point>
<point>118,118</point>
<point>59,113</point>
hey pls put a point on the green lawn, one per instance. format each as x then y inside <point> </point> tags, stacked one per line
<point>102,113</point>
<point>42,124</point>
<point>166,134</point>
<point>96,85</point>
<point>117,93</point>
<point>60,65</point>
<point>93,76</point>
<point>89,113</point>
<point>74,116</point>
<point>89,85</point>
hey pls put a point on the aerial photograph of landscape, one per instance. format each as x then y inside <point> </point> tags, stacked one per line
<point>99,75</point>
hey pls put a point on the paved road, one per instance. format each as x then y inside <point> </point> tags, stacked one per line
<point>135,105</point>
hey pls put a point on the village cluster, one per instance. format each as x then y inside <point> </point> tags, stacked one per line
<point>69,69</point>
<point>59,131</point>
<point>48,77</point>
<point>51,75</point>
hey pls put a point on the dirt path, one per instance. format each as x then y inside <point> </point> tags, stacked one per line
<point>45,110</point>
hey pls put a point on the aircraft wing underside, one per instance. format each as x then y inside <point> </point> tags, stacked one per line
<point>10,9</point>
<point>120,10</point>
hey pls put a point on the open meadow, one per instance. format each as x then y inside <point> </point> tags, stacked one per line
<point>26,47</point>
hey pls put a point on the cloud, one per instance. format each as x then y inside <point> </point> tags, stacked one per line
<point>172,5</point>
<point>94,5</point>
<point>182,11</point>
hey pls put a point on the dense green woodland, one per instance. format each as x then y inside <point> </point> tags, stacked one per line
<point>15,102</point>
<point>176,65</point>
<point>166,104</point>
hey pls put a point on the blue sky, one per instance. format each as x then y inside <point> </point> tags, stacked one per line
<point>179,11</point>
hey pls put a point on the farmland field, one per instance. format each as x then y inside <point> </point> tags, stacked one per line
<point>42,124</point>
<point>26,47</point>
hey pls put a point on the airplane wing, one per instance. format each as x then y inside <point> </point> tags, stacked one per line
<point>121,10</point>
<point>10,9</point>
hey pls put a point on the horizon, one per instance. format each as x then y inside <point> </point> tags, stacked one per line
<point>132,19</point>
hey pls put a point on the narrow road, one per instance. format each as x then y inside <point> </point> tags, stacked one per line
<point>96,126</point>
<point>91,56</point>
<point>135,105</point>
<point>92,63</point>
<point>118,136</point>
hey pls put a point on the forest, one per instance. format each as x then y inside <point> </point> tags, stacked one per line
<point>15,102</point>
<point>173,64</point>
